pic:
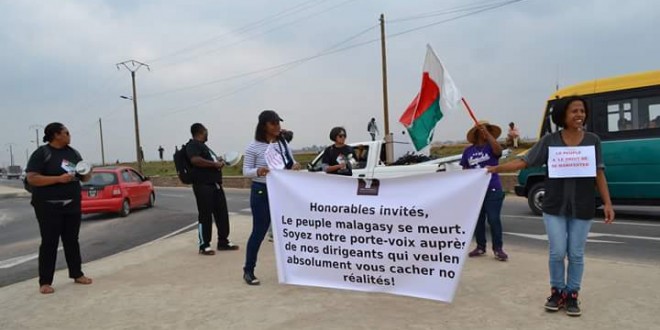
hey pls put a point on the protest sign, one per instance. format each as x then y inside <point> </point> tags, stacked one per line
<point>406,236</point>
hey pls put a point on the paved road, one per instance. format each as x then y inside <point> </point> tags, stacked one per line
<point>100,235</point>
<point>635,236</point>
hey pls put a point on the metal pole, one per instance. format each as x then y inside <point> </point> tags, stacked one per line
<point>389,151</point>
<point>102,149</point>
<point>11,156</point>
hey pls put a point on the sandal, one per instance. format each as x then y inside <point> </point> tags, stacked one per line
<point>46,289</point>
<point>84,280</point>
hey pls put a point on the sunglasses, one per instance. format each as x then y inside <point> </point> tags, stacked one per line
<point>341,135</point>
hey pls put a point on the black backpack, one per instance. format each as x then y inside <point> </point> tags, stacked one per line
<point>182,165</point>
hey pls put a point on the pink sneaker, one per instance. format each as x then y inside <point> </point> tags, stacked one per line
<point>477,252</point>
<point>500,255</point>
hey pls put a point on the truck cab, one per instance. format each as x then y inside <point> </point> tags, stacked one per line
<point>370,163</point>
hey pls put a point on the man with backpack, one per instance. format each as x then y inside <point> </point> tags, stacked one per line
<point>205,174</point>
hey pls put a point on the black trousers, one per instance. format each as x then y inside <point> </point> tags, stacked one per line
<point>211,203</point>
<point>58,221</point>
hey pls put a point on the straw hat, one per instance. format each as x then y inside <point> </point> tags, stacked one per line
<point>494,130</point>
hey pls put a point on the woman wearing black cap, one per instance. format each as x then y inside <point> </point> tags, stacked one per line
<point>56,202</point>
<point>267,132</point>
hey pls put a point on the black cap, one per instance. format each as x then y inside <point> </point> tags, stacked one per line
<point>268,116</point>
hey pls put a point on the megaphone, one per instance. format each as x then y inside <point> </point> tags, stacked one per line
<point>232,158</point>
<point>83,168</point>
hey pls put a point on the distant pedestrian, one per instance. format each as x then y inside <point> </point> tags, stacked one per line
<point>267,135</point>
<point>513,136</point>
<point>569,202</point>
<point>160,152</point>
<point>486,151</point>
<point>141,155</point>
<point>372,128</point>
<point>206,176</point>
<point>56,201</point>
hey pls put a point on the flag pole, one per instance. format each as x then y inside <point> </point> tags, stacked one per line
<point>467,106</point>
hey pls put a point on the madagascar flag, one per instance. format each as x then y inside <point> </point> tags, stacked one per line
<point>438,95</point>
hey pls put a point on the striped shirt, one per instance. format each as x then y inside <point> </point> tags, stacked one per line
<point>255,158</point>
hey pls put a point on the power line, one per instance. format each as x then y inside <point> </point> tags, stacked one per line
<point>458,9</point>
<point>342,49</point>
<point>289,11</point>
<point>215,50</point>
<point>250,73</point>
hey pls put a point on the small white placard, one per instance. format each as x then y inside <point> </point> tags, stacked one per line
<point>274,157</point>
<point>572,162</point>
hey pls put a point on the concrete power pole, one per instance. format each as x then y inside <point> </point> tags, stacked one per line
<point>389,148</point>
<point>102,148</point>
<point>133,66</point>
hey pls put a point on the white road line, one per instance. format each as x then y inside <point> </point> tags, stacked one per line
<point>9,263</point>
<point>171,195</point>
<point>246,210</point>
<point>544,237</point>
<point>616,222</point>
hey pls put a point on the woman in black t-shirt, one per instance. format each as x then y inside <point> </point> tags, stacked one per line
<point>339,157</point>
<point>56,201</point>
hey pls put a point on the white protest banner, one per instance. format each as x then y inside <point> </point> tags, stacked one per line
<point>571,162</point>
<point>406,236</point>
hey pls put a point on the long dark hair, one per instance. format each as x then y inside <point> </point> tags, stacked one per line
<point>50,131</point>
<point>260,132</point>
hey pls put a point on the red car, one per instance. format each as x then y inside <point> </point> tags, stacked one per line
<point>116,189</point>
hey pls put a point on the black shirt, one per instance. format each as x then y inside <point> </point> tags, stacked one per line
<point>335,156</point>
<point>571,197</point>
<point>203,175</point>
<point>55,165</point>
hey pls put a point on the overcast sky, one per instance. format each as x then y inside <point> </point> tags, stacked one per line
<point>58,64</point>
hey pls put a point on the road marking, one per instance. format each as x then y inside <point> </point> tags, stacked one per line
<point>544,237</point>
<point>4,218</point>
<point>171,195</point>
<point>616,222</point>
<point>9,263</point>
<point>246,210</point>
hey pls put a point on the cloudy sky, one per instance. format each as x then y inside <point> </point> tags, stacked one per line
<point>222,62</point>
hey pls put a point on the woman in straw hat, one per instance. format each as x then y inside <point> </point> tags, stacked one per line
<point>485,151</point>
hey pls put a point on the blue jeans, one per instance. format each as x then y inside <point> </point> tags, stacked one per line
<point>260,223</point>
<point>490,209</point>
<point>566,236</point>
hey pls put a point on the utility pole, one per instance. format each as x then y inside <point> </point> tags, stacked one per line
<point>11,155</point>
<point>134,66</point>
<point>389,148</point>
<point>102,149</point>
<point>36,132</point>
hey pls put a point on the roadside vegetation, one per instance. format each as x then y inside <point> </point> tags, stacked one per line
<point>166,168</point>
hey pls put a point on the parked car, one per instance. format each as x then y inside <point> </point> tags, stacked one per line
<point>116,189</point>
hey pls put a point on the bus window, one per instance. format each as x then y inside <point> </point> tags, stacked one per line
<point>633,114</point>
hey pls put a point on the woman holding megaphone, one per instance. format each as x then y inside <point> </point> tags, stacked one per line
<point>52,174</point>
